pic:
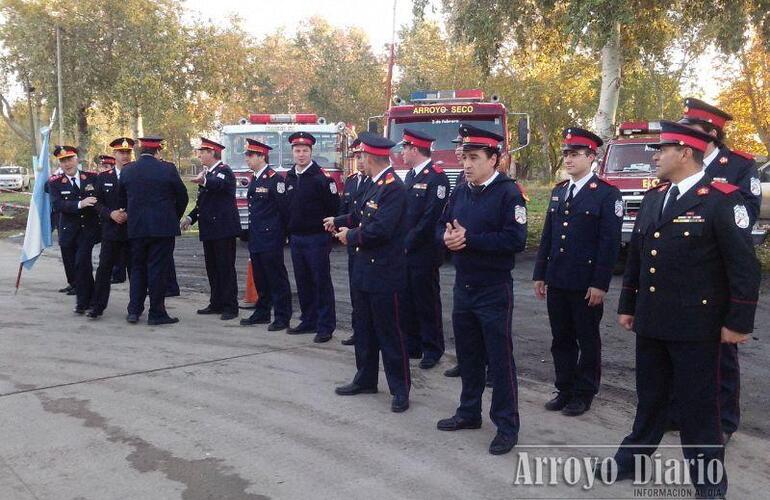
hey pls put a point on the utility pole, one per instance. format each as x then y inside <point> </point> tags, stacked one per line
<point>391,60</point>
<point>59,85</point>
<point>30,91</point>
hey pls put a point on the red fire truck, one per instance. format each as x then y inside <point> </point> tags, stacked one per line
<point>628,164</point>
<point>330,150</point>
<point>438,114</point>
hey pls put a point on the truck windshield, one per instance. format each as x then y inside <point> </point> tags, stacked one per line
<point>443,129</point>
<point>10,170</point>
<point>235,147</point>
<point>630,159</point>
<point>324,151</point>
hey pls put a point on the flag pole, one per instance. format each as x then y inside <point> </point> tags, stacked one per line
<point>18,278</point>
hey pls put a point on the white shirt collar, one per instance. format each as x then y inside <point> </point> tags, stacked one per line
<point>300,172</point>
<point>420,166</point>
<point>215,165</point>
<point>377,177</point>
<point>579,184</point>
<point>492,178</point>
<point>710,158</point>
<point>257,175</point>
<point>686,184</point>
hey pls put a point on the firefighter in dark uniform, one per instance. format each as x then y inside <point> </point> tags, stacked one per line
<point>377,233</point>
<point>73,195</point>
<point>484,225</point>
<point>739,169</point>
<point>691,282</point>
<point>427,189</point>
<point>578,249</point>
<point>66,257</point>
<point>113,217</point>
<point>356,185</point>
<point>154,198</point>
<point>267,235</point>
<point>219,226</point>
<point>454,371</point>
<point>312,198</point>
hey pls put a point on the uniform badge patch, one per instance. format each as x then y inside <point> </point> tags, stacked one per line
<point>221,175</point>
<point>702,191</point>
<point>520,214</point>
<point>756,187</point>
<point>441,192</point>
<point>333,187</point>
<point>741,216</point>
<point>593,185</point>
<point>723,160</point>
<point>619,208</point>
<point>89,187</point>
<point>719,179</point>
<point>281,187</point>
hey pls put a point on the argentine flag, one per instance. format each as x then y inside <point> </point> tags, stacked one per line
<point>38,235</point>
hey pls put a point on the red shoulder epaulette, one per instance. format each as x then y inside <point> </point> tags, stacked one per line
<point>327,174</point>
<point>660,187</point>
<point>353,174</point>
<point>437,169</point>
<point>724,187</point>
<point>54,177</point>
<point>744,154</point>
<point>389,178</point>
<point>270,172</point>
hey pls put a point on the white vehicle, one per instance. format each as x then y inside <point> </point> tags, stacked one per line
<point>17,178</point>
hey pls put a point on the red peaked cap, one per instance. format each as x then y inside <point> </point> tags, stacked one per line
<point>301,138</point>
<point>677,134</point>
<point>416,138</point>
<point>475,138</point>
<point>254,146</point>
<point>576,138</point>
<point>110,160</point>
<point>63,152</point>
<point>698,112</point>
<point>209,144</point>
<point>151,142</point>
<point>374,144</point>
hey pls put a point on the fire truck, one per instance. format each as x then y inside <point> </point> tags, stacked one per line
<point>329,151</point>
<point>439,114</point>
<point>628,164</point>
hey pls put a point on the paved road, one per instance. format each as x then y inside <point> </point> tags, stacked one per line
<point>210,410</point>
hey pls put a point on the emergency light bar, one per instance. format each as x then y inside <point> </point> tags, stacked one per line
<point>446,95</point>
<point>261,119</point>
<point>634,128</point>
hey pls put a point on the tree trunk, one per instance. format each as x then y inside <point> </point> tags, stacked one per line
<point>137,125</point>
<point>604,120</point>
<point>84,137</point>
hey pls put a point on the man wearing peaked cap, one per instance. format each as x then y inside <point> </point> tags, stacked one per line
<point>122,148</point>
<point>68,259</point>
<point>219,226</point>
<point>122,144</point>
<point>356,185</point>
<point>688,231</point>
<point>154,198</point>
<point>73,197</point>
<point>578,250</point>
<point>739,169</point>
<point>266,196</point>
<point>312,197</point>
<point>427,187</point>
<point>106,162</point>
<point>483,226</point>
<point>377,232</point>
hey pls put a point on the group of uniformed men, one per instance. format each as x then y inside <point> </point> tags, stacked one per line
<point>693,228</point>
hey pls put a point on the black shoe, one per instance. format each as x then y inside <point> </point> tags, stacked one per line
<point>455,423</point>
<point>502,444</point>
<point>415,355</point>
<point>672,426</point>
<point>66,289</point>
<point>277,327</point>
<point>116,281</point>
<point>79,310</point>
<point>209,310</point>
<point>255,320</point>
<point>349,341</point>
<point>172,294</point>
<point>168,320</point>
<point>399,404</point>
<point>94,313</point>
<point>132,318</point>
<point>301,329</point>
<point>71,291</point>
<point>453,372</point>
<point>353,389</point>
<point>320,339</point>
<point>228,316</point>
<point>427,364</point>
<point>559,402</point>
<point>576,406</point>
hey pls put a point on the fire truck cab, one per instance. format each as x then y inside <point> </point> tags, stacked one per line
<point>439,114</point>
<point>628,164</point>
<point>329,151</point>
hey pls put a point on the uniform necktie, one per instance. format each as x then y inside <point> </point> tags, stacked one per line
<point>571,194</point>
<point>673,193</point>
<point>74,182</point>
<point>410,177</point>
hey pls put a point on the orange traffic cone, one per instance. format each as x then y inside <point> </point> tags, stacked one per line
<point>250,294</point>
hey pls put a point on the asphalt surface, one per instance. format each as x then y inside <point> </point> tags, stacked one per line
<point>207,409</point>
